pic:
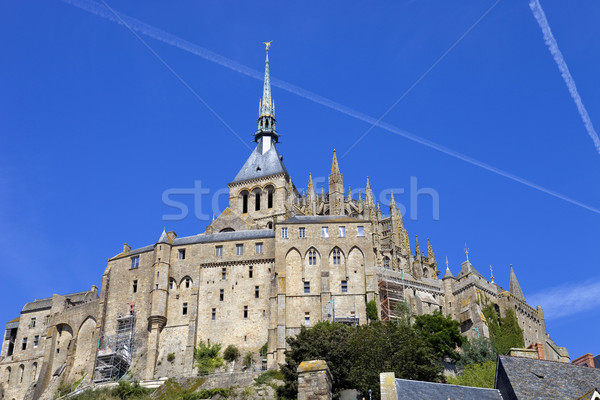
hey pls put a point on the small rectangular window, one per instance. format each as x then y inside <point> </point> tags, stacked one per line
<point>306,287</point>
<point>245,312</point>
<point>250,271</point>
<point>342,231</point>
<point>239,249</point>
<point>259,248</point>
<point>307,319</point>
<point>325,232</point>
<point>36,341</point>
<point>135,262</point>
<point>135,283</point>
<point>213,315</point>
<point>157,286</point>
<point>32,323</point>
<point>284,234</point>
<point>24,346</point>
<point>47,320</point>
<point>301,232</point>
<point>181,254</point>
<point>188,282</point>
<point>184,309</point>
<point>221,294</point>
<point>344,286</point>
<point>218,251</point>
<point>360,231</point>
<point>223,274</point>
<point>256,292</point>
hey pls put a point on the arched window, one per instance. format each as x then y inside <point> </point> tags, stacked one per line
<point>257,200</point>
<point>172,284</point>
<point>337,257</point>
<point>34,372</point>
<point>244,202</point>
<point>386,262</point>
<point>425,273</point>
<point>312,257</point>
<point>269,190</point>
<point>269,225</point>
<point>21,373</point>
<point>8,371</point>
<point>188,282</point>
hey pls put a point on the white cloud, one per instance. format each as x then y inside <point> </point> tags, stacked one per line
<point>568,299</point>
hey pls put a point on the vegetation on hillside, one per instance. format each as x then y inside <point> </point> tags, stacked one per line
<point>505,333</point>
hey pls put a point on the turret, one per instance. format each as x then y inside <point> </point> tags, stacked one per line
<point>515,288</point>
<point>336,188</point>
<point>311,197</point>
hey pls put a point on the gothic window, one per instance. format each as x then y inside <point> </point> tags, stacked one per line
<point>337,257</point>
<point>386,262</point>
<point>21,372</point>
<point>312,257</point>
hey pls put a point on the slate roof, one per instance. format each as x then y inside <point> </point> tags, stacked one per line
<point>448,274</point>
<point>259,165</point>
<point>407,389</point>
<point>468,268</point>
<point>307,219</point>
<point>538,379</point>
<point>215,237</point>
<point>46,303</point>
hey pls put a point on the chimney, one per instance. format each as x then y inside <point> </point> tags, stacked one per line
<point>539,348</point>
<point>126,248</point>
<point>172,236</point>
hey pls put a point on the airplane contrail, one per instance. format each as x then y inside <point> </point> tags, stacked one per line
<point>540,16</point>
<point>165,37</point>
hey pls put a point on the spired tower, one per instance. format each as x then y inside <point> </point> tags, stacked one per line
<point>262,192</point>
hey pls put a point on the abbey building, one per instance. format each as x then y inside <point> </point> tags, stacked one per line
<point>275,260</point>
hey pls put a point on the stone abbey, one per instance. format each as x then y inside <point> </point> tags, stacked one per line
<point>275,260</point>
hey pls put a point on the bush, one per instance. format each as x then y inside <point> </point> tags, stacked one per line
<point>231,353</point>
<point>476,375</point>
<point>248,359</point>
<point>208,358</point>
<point>372,310</point>
<point>266,377</point>
<point>171,357</point>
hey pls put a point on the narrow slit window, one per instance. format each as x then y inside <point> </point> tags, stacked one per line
<point>256,292</point>
<point>213,315</point>
<point>24,345</point>
<point>135,286</point>
<point>221,294</point>
<point>257,201</point>
<point>244,203</point>
<point>306,319</point>
<point>270,199</point>
<point>184,309</point>
<point>250,271</point>
<point>245,312</point>
<point>223,274</point>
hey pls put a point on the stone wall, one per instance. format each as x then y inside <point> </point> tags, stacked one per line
<point>314,381</point>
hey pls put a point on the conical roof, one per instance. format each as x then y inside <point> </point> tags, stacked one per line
<point>515,288</point>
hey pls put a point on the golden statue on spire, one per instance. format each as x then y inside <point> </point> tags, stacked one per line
<point>268,44</point>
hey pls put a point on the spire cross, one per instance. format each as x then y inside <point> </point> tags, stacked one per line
<point>492,272</point>
<point>447,262</point>
<point>268,44</point>
<point>467,251</point>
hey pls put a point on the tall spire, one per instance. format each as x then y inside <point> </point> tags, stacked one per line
<point>267,103</point>
<point>266,112</point>
<point>515,288</point>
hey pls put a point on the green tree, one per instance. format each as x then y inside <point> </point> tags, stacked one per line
<point>208,358</point>
<point>231,353</point>
<point>476,375</point>
<point>372,310</point>
<point>391,346</point>
<point>441,332</point>
<point>505,333</point>
<point>325,341</point>
<point>477,351</point>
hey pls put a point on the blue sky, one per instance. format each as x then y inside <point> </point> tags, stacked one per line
<point>95,129</point>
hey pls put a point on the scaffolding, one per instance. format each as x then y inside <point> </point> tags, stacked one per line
<point>114,359</point>
<point>390,293</point>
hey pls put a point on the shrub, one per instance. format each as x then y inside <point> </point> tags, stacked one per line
<point>372,310</point>
<point>208,358</point>
<point>171,357</point>
<point>231,353</point>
